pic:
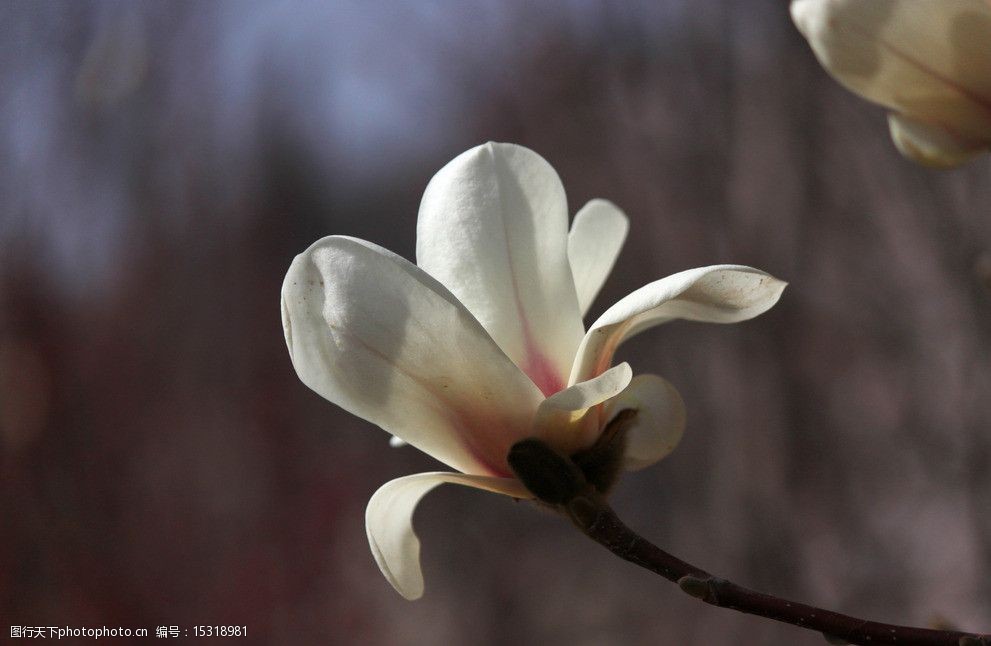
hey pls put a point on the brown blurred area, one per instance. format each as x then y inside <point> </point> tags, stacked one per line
<point>161,464</point>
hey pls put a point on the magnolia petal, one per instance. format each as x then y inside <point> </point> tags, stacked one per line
<point>930,145</point>
<point>927,60</point>
<point>716,294</point>
<point>597,235</point>
<point>562,420</point>
<point>376,335</point>
<point>389,522</point>
<point>493,228</point>
<point>659,424</point>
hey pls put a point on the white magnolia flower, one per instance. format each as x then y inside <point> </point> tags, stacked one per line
<point>929,61</point>
<point>481,343</point>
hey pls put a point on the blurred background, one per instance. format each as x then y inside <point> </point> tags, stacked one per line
<point>161,464</point>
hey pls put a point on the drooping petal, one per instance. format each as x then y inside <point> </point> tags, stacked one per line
<point>376,335</point>
<point>493,228</point>
<point>564,420</point>
<point>930,145</point>
<point>597,235</point>
<point>389,522</point>
<point>716,294</point>
<point>928,60</point>
<point>659,424</point>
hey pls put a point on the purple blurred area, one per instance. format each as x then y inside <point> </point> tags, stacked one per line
<point>161,464</point>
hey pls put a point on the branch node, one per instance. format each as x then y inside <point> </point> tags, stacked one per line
<point>705,589</point>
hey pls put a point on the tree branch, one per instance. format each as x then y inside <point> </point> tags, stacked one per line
<point>557,481</point>
<point>599,522</point>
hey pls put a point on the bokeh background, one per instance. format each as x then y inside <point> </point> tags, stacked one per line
<point>161,464</point>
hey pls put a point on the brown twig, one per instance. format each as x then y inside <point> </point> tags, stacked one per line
<point>558,482</point>
<point>599,522</point>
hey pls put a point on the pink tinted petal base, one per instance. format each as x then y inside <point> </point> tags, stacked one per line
<point>541,371</point>
<point>487,446</point>
<point>482,432</point>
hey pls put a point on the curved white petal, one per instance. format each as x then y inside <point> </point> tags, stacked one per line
<point>597,235</point>
<point>930,145</point>
<point>716,294</point>
<point>493,228</point>
<point>564,421</point>
<point>927,59</point>
<point>389,523</point>
<point>376,335</point>
<point>659,424</point>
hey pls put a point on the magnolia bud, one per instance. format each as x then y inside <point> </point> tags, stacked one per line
<point>927,62</point>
